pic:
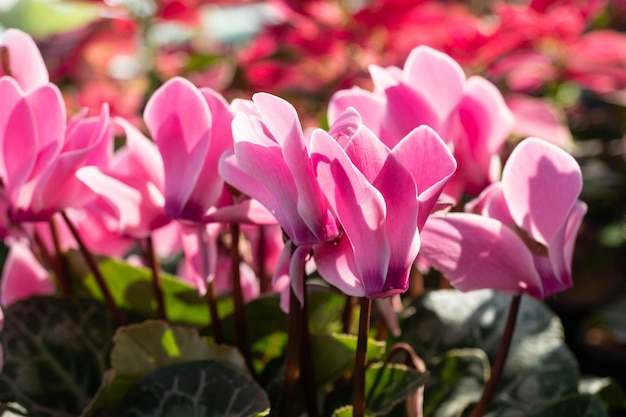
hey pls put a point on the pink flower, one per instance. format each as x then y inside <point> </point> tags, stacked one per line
<point>271,164</point>
<point>22,60</point>
<point>41,152</point>
<point>382,198</point>
<point>23,276</point>
<point>192,130</point>
<point>431,89</point>
<point>131,187</point>
<point>523,237</point>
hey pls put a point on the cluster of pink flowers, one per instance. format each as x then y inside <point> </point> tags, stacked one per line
<point>356,199</point>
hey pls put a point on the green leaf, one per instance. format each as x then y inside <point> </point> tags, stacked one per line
<point>539,369</point>
<point>346,411</point>
<point>144,348</point>
<point>131,288</point>
<point>55,353</point>
<point>388,385</point>
<point>610,393</point>
<point>579,405</point>
<point>195,389</point>
<point>334,355</point>
<point>456,381</point>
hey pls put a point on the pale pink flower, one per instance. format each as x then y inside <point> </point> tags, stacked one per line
<point>431,89</point>
<point>521,233</point>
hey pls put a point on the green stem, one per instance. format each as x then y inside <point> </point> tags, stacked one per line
<point>360,363</point>
<point>500,360</point>
<point>118,317</point>
<point>241,324</point>
<point>292,361</point>
<point>157,284</point>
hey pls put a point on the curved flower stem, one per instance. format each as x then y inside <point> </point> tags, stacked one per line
<point>500,360</point>
<point>292,361</point>
<point>59,265</point>
<point>157,285</point>
<point>241,324</point>
<point>415,402</point>
<point>52,262</point>
<point>118,317</point>
<point>360,363</point>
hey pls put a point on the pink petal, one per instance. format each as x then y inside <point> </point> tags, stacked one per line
<point>282,121</point>
<point>398,188</point>
<point>541,183</point>
<point>359,207</point>
<point>436,76</point>
<point>143,155</point>
<point>406,109</point>
<point>476,252</point>
<point>23,276</point>
<point>430,162</point>
<point>371,107</point>
<point>539,118</point>
<point>179,121</point>
<point>27,65</point>
<point>366,152</point>
<point>18,141</point>
<point>209,184</point>
<point>200,248</point>
<point>276,198</point>
<point>48,109</point>
<point>335,263</point>
<point>559,277</point>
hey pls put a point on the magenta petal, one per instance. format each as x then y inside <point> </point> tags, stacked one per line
<point>430,162</point>
<point>400,193</point>
<point>248,211</point>
<point>48,109</point>
<point>359,206</point>
<point>179,120</point>
<point>370,106</point>
<point>282,121</point>
<point>277,199</point>
<point>27,65</point>
<point>296,271</point>
<point>335,263</point>
<point>406,109</point>
<point>200,249</point>
<point>23,276</point>
<point>476,252</point>
<point>366,152</point>
<point>559,277</point>
<point>541,182</point>
<point>437,76</point>
<point>18,141</point>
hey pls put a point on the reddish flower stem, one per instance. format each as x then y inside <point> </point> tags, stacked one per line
<point>498,365</point>
<point>118,317</point>
<point>292,361</point>
<point>210,296</point>
<point>360,363</point>
<point>241,324</point>
<point>157,284</point>
<point>306,360</point>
